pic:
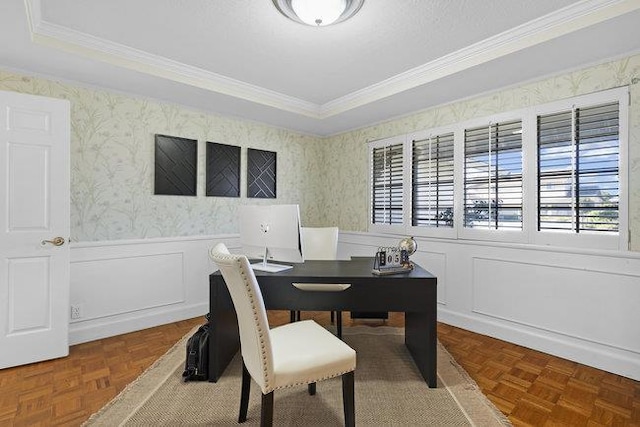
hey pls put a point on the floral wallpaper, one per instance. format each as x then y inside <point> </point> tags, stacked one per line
<point>112,157</point>
<point>347,153</point>
<point>112,145</point>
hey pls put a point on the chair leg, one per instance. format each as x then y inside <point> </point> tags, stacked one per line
<point>348,400</point>
<point>339,323</point>
<point>332,317</point>
<point>292,316</point>
<point>312,389</point>
<point>244,394</point>
<point>266,412</point>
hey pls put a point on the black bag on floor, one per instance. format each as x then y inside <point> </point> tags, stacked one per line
<point>196,367</point>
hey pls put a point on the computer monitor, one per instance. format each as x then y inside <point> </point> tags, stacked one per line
<point>271,233</point>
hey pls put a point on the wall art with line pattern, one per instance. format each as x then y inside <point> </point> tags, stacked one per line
<point>261,174</point>
<point>223,170</point>
<point>176,161</point>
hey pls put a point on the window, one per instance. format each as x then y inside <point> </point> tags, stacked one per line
<point>553,174</point>
<point>578,172</point>
<point>432,182</point>
<point>493,176</point>
<point>387,195</point>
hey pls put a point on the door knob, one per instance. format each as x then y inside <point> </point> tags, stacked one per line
<point>56,241</point>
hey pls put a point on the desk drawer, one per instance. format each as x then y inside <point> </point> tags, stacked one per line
<point>375,295</point>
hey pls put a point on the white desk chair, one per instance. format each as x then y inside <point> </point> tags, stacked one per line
<point>294,354</point>
<point>320,243</point>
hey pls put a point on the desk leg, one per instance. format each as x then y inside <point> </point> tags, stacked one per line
<point>224,339</point>
<point>421,340</point>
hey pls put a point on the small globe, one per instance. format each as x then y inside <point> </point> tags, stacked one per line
<point>408,244</point>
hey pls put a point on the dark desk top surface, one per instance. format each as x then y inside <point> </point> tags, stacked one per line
<point>356,267</point>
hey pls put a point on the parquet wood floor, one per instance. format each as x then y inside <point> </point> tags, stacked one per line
<point>531,388</point>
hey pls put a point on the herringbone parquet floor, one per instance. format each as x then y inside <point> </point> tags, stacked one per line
<point>530,387</point>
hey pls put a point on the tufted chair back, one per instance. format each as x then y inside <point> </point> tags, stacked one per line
<point>255,343</point>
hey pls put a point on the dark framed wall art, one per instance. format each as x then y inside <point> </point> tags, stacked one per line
<point>261,174</point>
<point>223,170</point>
<point>176,166</point>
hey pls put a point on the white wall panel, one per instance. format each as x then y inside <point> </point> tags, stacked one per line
<point>128,285</point>
<point>435,263</point>
<point>581,303</point>
<point>107,287</point>
<point>578,304</point>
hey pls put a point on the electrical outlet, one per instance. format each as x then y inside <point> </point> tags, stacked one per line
<point>76,311</point>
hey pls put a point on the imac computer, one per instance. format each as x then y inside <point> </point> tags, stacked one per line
<point>271,233</point>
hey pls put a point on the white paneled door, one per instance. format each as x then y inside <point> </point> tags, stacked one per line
<point>34,228</point>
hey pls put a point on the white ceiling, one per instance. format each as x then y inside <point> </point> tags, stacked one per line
<point>242,58</point>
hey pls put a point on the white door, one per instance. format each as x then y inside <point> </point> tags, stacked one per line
<point>34,209</point>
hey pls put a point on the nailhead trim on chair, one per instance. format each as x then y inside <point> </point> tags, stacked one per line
<point>260,331</point>
<point>312,380</point>
<point>268,386</point>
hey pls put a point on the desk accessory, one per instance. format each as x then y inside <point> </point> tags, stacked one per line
<point>395,259</point>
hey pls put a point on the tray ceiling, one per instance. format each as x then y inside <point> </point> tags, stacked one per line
<point>243,58</point>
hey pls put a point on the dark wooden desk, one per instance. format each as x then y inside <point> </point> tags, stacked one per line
<point>413,293</point>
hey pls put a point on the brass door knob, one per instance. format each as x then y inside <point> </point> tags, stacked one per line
<point>56,241</point>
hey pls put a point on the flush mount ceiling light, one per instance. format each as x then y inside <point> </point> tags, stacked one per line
<point>318,13</point>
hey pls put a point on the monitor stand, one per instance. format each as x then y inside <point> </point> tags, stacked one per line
<point>270,267</point>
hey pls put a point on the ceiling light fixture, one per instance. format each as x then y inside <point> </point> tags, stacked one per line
<point>318,13</point>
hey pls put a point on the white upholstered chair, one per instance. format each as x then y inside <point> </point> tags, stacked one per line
<point>294,354</point>
<point>320,243</point>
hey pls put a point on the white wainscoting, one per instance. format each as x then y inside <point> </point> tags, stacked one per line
<point>128,285</point>
<point>580,305</point>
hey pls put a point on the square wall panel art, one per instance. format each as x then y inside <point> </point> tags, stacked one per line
<point>261,174</point>
<point>175,166</point>
<point>223,170</point>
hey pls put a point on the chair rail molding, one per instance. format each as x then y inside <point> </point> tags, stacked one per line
<point>572,303</point>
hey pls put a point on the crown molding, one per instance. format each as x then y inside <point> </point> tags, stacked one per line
<point>545,28</point>
<point>89,46</point>
<point>564,21</point>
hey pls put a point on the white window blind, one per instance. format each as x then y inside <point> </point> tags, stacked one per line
<point>387,184</point>
<point>432,181</point>
<point>578,170</point>
<point>493,176</point>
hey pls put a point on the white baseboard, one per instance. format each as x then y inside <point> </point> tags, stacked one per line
<point>80,333</point>
<point>586,353</point>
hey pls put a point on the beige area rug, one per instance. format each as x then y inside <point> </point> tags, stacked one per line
<point>389,390</point>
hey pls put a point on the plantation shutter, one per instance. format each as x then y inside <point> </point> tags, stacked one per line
<point>578,170</point>
<point>432,182</point>
<point>493,176</point>
<point>387,186</point>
